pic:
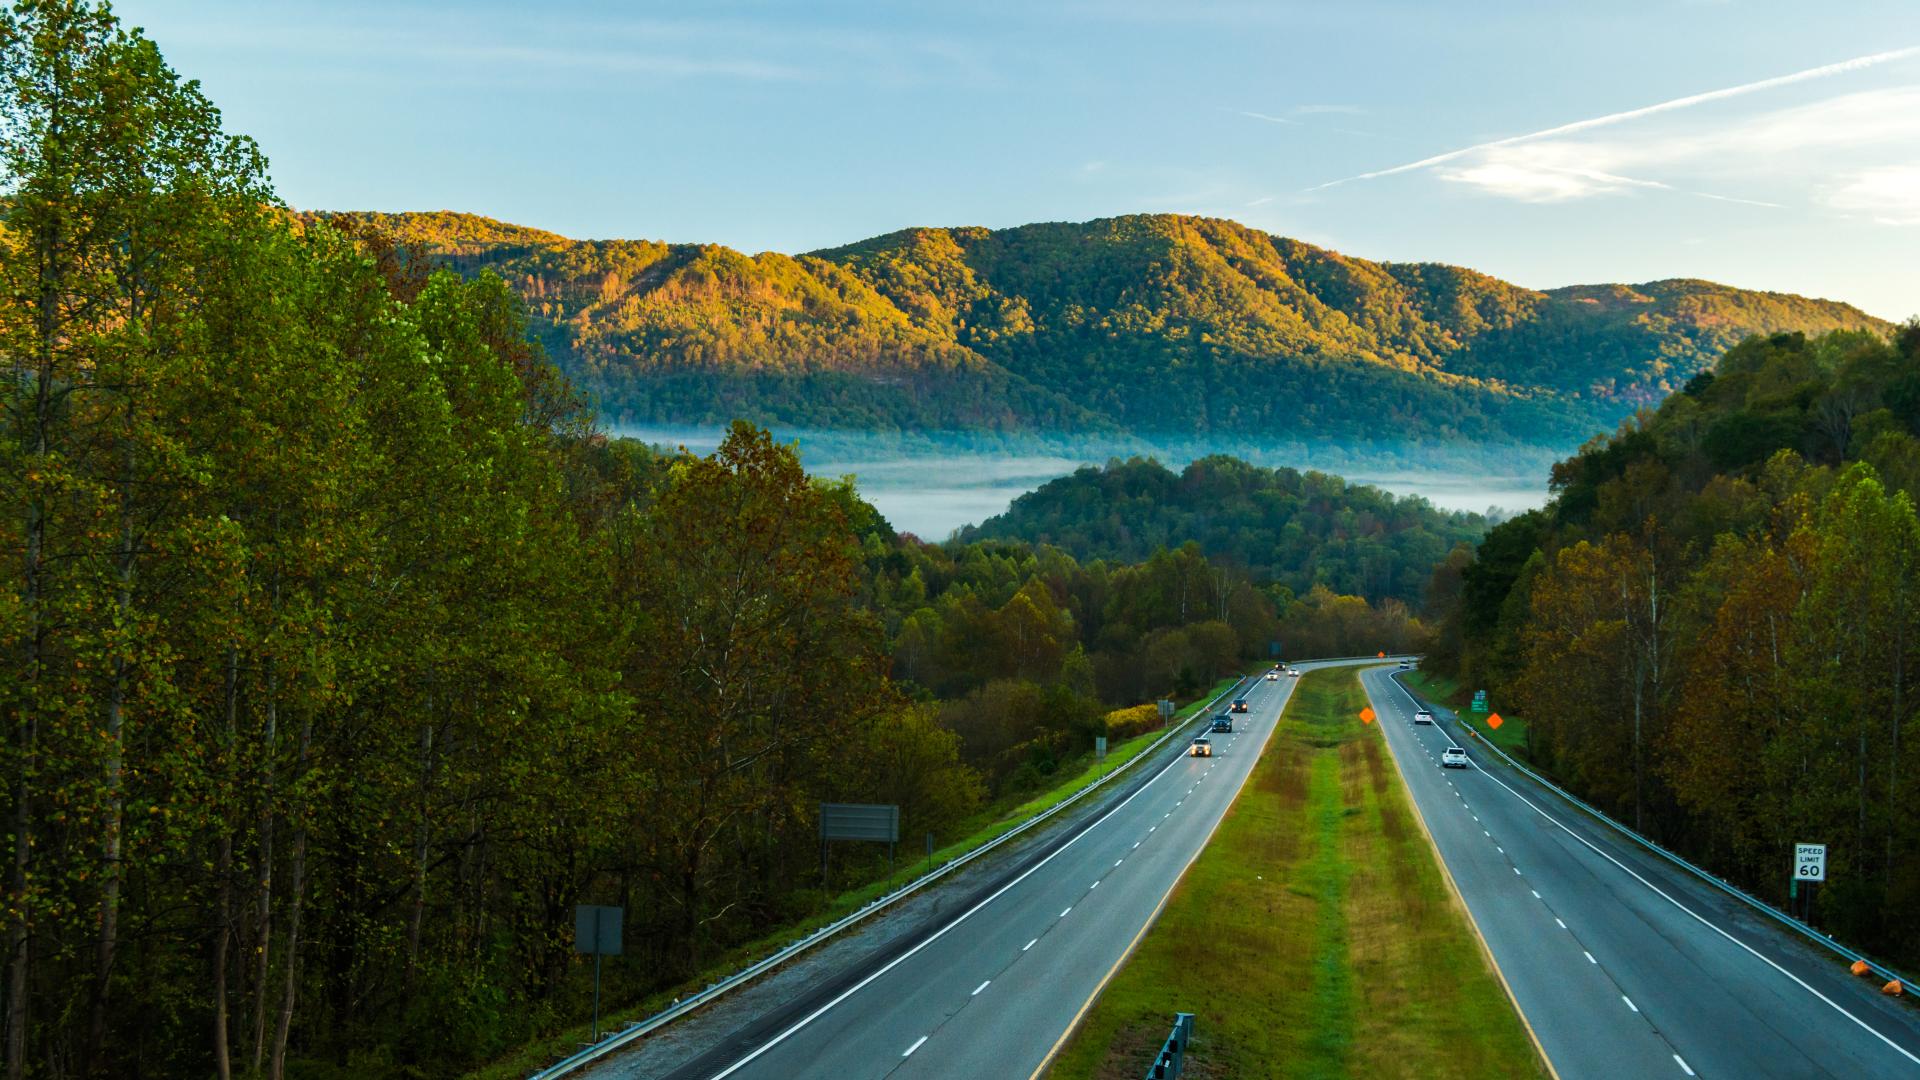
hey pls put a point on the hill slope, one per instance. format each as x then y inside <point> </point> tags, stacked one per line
<point>1144,323</point>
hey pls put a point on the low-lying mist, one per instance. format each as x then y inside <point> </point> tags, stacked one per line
<point>931,483</point>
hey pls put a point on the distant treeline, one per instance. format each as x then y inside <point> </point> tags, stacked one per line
<point>1714,627</point>
<point>344,657</point>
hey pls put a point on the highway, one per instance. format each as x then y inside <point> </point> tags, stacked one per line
<point>1622,963</point>
<point>992,987</point>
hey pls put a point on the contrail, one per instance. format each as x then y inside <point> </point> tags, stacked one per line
<point>1691,100</point>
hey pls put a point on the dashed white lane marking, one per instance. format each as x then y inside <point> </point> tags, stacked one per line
<point>1486,834</point>
<point>1563,925</point>
<point>1499,849</point>
<point>1630,1003</point>
<point>1136,843</point>
<point>982,986</point>
<point>1029,944</point>
<point>1150,828</point>
<point>1683,1064</point>
<point>1535,892</point>
<point>917,1044</point>
<point>1095,885</point>
<point>1516,870</point>
<point>1063,914</point>
<point>1589,957</point>
<point>1117,862</point>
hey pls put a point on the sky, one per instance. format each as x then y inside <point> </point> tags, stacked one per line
<point>1764,145</point>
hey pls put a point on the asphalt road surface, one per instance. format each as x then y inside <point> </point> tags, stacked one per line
<point>1624,964</point>
<point>991,990</point>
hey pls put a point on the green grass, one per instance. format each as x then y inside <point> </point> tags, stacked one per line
<point>1512,733</point>
<point>992,822</point>
<point>1315,936</point>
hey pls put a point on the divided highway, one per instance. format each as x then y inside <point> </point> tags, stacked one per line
<point>993,987</point>
<point>1624,964</point>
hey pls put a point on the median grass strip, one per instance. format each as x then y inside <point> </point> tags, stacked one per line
<point>1314,937</point>
<point>1511,736</point>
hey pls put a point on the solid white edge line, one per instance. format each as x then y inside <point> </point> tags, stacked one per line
<point>917,1044</point>
<point>940,933</point>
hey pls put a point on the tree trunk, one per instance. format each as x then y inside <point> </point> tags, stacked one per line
<point>222,938</point>
<point>263,898</point>
<point>296,884</point>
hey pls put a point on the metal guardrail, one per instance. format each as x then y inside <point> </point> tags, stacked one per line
<point>1774,913</point>
<point>640,1028</point>
<point>1173,1053</point>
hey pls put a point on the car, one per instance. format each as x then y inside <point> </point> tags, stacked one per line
<point>1404,664</point>
<point>1202,747</point>
<point>1273,676</point>
<point>1223,722</point>
<point>1293,673</point>
<point>1424,716</point>
<point>1239,704</point>
<point>1453,757</point>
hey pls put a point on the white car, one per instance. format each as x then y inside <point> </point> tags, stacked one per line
<point>1424,716</point>
<point>1404,664</point>
<point>1273,676</point>
<point>1293,673</point>
<point>1453,757</point>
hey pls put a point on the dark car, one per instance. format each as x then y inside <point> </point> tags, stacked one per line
<point>1223,722</point>
<point>1239,704</point>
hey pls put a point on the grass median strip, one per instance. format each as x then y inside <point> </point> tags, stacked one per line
<point>1314,937</point>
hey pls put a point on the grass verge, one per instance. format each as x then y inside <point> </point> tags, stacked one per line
<point>989,824</point>
<point>1511,736</point>
<point>1314,937</point>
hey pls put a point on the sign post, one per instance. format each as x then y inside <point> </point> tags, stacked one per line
<point>1100,752</point>
<point>596,930</point>
<point>1166,712</point>
<point>1479,701</point>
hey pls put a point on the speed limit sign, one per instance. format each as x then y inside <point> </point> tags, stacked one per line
<point>1809,862</point>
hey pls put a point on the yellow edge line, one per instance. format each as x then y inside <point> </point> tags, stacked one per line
<point>1074,1026</point>
<point>1460,901</point>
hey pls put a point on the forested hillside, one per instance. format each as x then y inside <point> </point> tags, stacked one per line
<point>1282,525</point>
<point>344,655</point>
<point>1713,628</point>
<point>1148,323</point>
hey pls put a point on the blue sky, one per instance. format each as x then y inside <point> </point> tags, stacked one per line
<point>792,126</point>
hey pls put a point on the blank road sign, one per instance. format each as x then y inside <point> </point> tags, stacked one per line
<point>596,929</point>
<point>1809,862</point>
<point>859,821</point>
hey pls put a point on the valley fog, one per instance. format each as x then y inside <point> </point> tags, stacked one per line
<point>930,485</point>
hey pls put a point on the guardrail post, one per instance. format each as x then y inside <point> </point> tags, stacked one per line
<point>1172,1057</point>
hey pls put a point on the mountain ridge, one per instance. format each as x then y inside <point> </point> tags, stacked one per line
<point>1141,323</point>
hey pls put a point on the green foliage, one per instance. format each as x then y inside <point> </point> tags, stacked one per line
<point>1281,525</point>
<point>1711,628</point>
<point>1144,323</point>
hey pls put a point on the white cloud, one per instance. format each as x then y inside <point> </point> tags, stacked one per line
<point>1270,119</point>
<point>1610,119</point>
<point>1314,110</point>
<point>1889,194</point>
